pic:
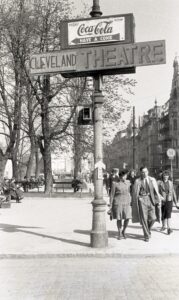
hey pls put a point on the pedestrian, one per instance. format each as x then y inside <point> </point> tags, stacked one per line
<point>2,196</point>
<point>120,202</point>
<point>113,177</point>
<point>106,181</point>
<point>25,184</point>
<point>5,188</point>
<point>145,199</point>
<point>166,189</point>
<point>132,177</point>
<point>15,191</point>
<point>76,184</point>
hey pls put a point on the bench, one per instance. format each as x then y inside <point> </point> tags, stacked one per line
<point>62,185</point>
<point>28,185</point>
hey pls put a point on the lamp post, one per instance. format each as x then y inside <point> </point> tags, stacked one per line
<point>99,236</point>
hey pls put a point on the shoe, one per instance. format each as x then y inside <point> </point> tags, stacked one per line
<point>162,228</point>
<point>124,236</point>
<point>169,230</point>
<point>150,234</point>
<point>146,239</point>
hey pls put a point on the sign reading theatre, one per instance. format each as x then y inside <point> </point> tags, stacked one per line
<point>76,33</point>
<point>121,56</point>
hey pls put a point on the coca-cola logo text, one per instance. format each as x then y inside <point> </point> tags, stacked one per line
<point>100,28</point>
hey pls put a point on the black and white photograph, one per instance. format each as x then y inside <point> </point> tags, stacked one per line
<point>89,150</point>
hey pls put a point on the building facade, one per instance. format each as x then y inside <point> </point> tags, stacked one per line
<point>148,142</point>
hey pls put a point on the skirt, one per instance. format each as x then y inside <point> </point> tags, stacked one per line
<point>167,209</point>
<point>122,211</point>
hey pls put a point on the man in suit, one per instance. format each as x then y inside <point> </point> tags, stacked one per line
<point>144,201</point>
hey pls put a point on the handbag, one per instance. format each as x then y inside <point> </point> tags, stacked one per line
<point>158,212</point>
<point>110,213</point>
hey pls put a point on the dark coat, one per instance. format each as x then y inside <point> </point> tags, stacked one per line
<point>171,195</point>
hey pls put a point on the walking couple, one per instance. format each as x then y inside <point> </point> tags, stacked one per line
<point>143,204</point>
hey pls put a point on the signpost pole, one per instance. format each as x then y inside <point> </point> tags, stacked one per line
<point>171,168</point>
<point>99,237</point>
<point>171,154</point>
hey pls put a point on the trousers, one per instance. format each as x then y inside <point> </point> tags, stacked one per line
<point>147,214</point>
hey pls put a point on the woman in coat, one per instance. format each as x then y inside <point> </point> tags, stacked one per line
<point>166,189</point>
<point>120,202</point>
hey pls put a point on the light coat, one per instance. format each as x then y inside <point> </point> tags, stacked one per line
<point>155,197</point>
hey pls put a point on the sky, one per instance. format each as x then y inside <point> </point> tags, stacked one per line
<point>154,20</point>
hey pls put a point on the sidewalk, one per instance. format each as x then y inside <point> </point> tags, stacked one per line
<point>60,227</point>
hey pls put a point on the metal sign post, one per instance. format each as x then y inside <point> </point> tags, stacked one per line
<point>171,154</point>
<point>171,159</point>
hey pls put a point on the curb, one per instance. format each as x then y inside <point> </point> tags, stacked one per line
<point>87,255</point>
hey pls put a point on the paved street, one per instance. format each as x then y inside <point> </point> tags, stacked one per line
<point>90,279</point>
<point>45,254</point>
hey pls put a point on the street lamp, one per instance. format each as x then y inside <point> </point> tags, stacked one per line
<point>95,9</point>
<point>99,236</point>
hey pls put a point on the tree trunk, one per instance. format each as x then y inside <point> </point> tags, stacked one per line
<point>37,162</point>
<point>46,137</point>
<point>47,167</point>
<point>30,161</point>
<point>76,147</point>
<point>3,161</point>
<point>15,169</point>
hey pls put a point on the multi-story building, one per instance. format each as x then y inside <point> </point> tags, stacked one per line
<point>156,132</point>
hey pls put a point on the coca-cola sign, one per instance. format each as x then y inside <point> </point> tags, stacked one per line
<point>96,31</point>
<point>102,30</point>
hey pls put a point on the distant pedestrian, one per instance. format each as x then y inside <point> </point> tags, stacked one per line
<point>132,177</point>
<point>145,200</point>
<point>6,188</point>
<point>15,191</point>
<point>76,184</point>
<point>120,202</point>
<point>166,189</point>
<point>2,196</point>
<point>106,181</point>
<point>113,177</point>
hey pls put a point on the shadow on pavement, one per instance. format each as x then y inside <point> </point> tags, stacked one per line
<point>175,211</point>
<point>134,236</point>
<point>13,228</point>
<point>113,234</point>
<point>135,227</point>
<point>18,228</point>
